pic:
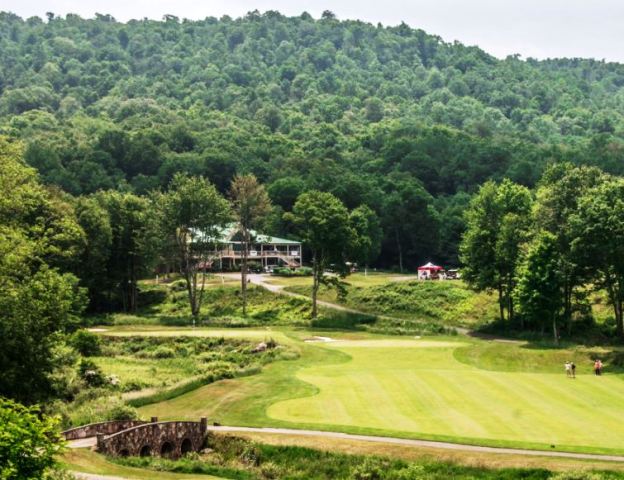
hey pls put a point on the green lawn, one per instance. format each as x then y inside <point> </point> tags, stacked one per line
<point>356,279</point>
<point>415,386</point>
<point>436,388</point>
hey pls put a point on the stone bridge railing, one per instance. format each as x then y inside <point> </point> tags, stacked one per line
<point>167,439</point>
<point>106,428</point>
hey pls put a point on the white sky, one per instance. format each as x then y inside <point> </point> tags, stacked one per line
<point>532,28</point>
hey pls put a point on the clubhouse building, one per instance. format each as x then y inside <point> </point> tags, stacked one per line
<point>264,249</point>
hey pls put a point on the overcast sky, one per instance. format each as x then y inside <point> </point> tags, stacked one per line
<point>532,28</point>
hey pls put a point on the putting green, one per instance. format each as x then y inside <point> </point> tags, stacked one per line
<point>418,387</point>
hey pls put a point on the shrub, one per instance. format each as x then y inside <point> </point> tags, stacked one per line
<point>270,470</point>
<point>577,476</point>
<point>91,373</point>
<point>87,343</point>
<point>163,352</point>
<point>28,442</point>
<point>178,286</point>
<point>59,474</point>
<point>98,406</point>
<point>370,469</point>
<point>292,272</point>
<point>122,412</point>
<point>412,472</point>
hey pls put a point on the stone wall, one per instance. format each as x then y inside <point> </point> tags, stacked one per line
<point>168,439</point>
<point>106,428</point>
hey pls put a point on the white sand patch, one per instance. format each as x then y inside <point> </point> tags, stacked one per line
<point>319,339</point>
<point>97,330</point>
<point>398,343</point>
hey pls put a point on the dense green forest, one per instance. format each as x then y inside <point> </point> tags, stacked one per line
<point>390,117</point>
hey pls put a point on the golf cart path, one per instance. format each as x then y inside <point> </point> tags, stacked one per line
<point>91,441</point>
<point>260,280</point>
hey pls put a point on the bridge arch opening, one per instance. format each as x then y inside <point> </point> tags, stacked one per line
<point>124,452</point>
<point>166,450</point>
<point>146,451</point>
<point>187,446</point>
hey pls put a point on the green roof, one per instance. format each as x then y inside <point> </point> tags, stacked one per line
<point>261,238</point>
<point>232,229</point>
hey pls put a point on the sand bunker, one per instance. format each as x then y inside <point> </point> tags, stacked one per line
<point>317,339</point>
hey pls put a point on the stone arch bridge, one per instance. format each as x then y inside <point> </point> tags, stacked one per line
<point>138,438</point>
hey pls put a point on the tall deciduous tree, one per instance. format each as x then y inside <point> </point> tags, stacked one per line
<point>37,302</point>
<point>322,222</point>
<point>599,242</point>
<point>557,200</point>
<point>540,280</point>
<point>250,205</point>
<point>497,223</point>
<point>368,235</point>
<point>94,260</point>
<point>192,215</point>
<point>133,244</point>
<point>410,221</point>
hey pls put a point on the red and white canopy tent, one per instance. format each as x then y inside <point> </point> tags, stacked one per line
<point>429,270</point>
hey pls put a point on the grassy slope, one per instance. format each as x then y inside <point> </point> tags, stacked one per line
<point>390,304</point>
<point>167,305</point>
<point>221,306</point>
<point>410,453</point>
<point>420,390</point>
<point>85,461</point>
<point>170,363</point>
<point>445,303</point>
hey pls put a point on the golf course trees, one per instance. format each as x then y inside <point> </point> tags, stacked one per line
<point>250,205</point>
<point>322,222</point>
<point>94,260</point>
<point>557,200</point>
<point>191,216</point>
<point>133,245</point>
<point>538,293</point>
<point>497,223</point>
<point>368,235</point>
<point>599,242</point>
<point>39,302</point>
<point>411,224</point>
<point>29,442</point>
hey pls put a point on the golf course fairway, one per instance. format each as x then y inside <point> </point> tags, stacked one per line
<point>417,386</point>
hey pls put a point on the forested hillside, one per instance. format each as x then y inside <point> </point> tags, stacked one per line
<point>391,117</point>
